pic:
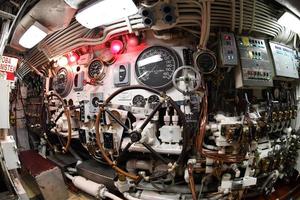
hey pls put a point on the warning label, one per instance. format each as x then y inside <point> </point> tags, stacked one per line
<point>8,66</point>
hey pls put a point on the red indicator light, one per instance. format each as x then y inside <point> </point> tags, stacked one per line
<point>73,57</point>
<point>116,46</point>
<point>227,37</point>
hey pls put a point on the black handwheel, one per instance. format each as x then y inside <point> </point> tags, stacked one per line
<point>135,135</point>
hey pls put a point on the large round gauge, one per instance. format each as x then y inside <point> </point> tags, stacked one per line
<point>96,69</point>
<point>155,67</point>
<point>63,82</point>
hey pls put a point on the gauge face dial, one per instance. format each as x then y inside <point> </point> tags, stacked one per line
<point>155,67</point>
<point>206,62</point>
<point>153,99</point>
<point>62,82</point>
<point>95,69</point>
<point>139,101</point>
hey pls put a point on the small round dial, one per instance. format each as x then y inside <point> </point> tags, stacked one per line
<point>95,69</point>
<point>139,101</point>
<point>153,99</point>
<point>155,67</point>
<point>205,61</point>
<point>63,82</point>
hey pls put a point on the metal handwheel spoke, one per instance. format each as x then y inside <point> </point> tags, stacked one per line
<point>124,152</point>
<point>157,155</point>
<point>116,119</point>
<point>157,107</point>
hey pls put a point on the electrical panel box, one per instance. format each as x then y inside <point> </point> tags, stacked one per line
<point>285,63</point>
<point>4,104</point>
<point>10,153</point>
<point>228,50</point>
<point>122,74</point>
<point>95,98</point>
<point>256,66</point>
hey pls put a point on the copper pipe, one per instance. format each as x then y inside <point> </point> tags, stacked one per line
<point>106,158</point>
<point>192,182</point>
<point>201,135</point>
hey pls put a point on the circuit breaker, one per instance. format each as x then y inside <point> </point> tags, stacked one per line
<point>256,67</point>
<point>228,50</point>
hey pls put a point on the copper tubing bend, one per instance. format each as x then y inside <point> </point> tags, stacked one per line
<point>67,113</point>
<point>200,138</point>
<point>192,182</point>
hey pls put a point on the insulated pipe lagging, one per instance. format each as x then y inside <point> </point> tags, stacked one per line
<point>95,189</point>
<point>129,197</point>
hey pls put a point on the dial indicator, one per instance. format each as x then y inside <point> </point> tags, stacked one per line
<point>155,67</point>
<point>95,69</point>
<point>139,101</point>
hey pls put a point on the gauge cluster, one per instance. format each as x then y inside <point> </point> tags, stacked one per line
<point>181,119</point>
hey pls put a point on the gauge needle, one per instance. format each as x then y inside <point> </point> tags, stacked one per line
<point>148,72</point>
<point>150,60</point>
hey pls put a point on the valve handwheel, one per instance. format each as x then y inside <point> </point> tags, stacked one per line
<point>135,135</point>
<point>67,113</point>
<point>191,83</point>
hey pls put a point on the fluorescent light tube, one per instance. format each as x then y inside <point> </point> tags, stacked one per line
<point>290,21</point>
<point>33,35</point>
<point>105,12</point>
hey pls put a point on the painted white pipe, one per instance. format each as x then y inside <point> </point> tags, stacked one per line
<point>95,189</point>
<point>87,186</point>
<point>111,196</point>
<point>129,197</point>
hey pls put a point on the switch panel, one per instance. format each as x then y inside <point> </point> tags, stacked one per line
<point>95,98</point>
<point>122,74</point>
<point>256,67</point>
<point>228,50</point>
<point>79,81</point>
<point>285,63</point>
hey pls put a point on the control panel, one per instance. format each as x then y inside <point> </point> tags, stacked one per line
<point>228,50</point>
<point>256,67</point>
<point>285,63</point>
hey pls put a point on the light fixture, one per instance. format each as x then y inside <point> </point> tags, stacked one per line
<point>62,61</point>
<point>33,35</point>
<point>290,21</point>
<point>116,46</point>
<point>105,12</point>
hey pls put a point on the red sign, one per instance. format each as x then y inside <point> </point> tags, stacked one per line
<point>8,66</point>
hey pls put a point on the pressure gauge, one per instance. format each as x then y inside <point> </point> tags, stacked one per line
<point>155,67</point>
<point>139,101</point>
<point>96,69</point>
<point>205,61</point>
<point>153,99</point>
<point>63,82</point>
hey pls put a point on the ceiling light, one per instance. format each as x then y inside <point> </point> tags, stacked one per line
<point>33,35</point>
<point>105,12</point>
<point>290,21</point>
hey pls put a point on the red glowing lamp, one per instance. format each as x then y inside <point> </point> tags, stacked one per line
<point>116,46</point>
<point>73,57</point>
